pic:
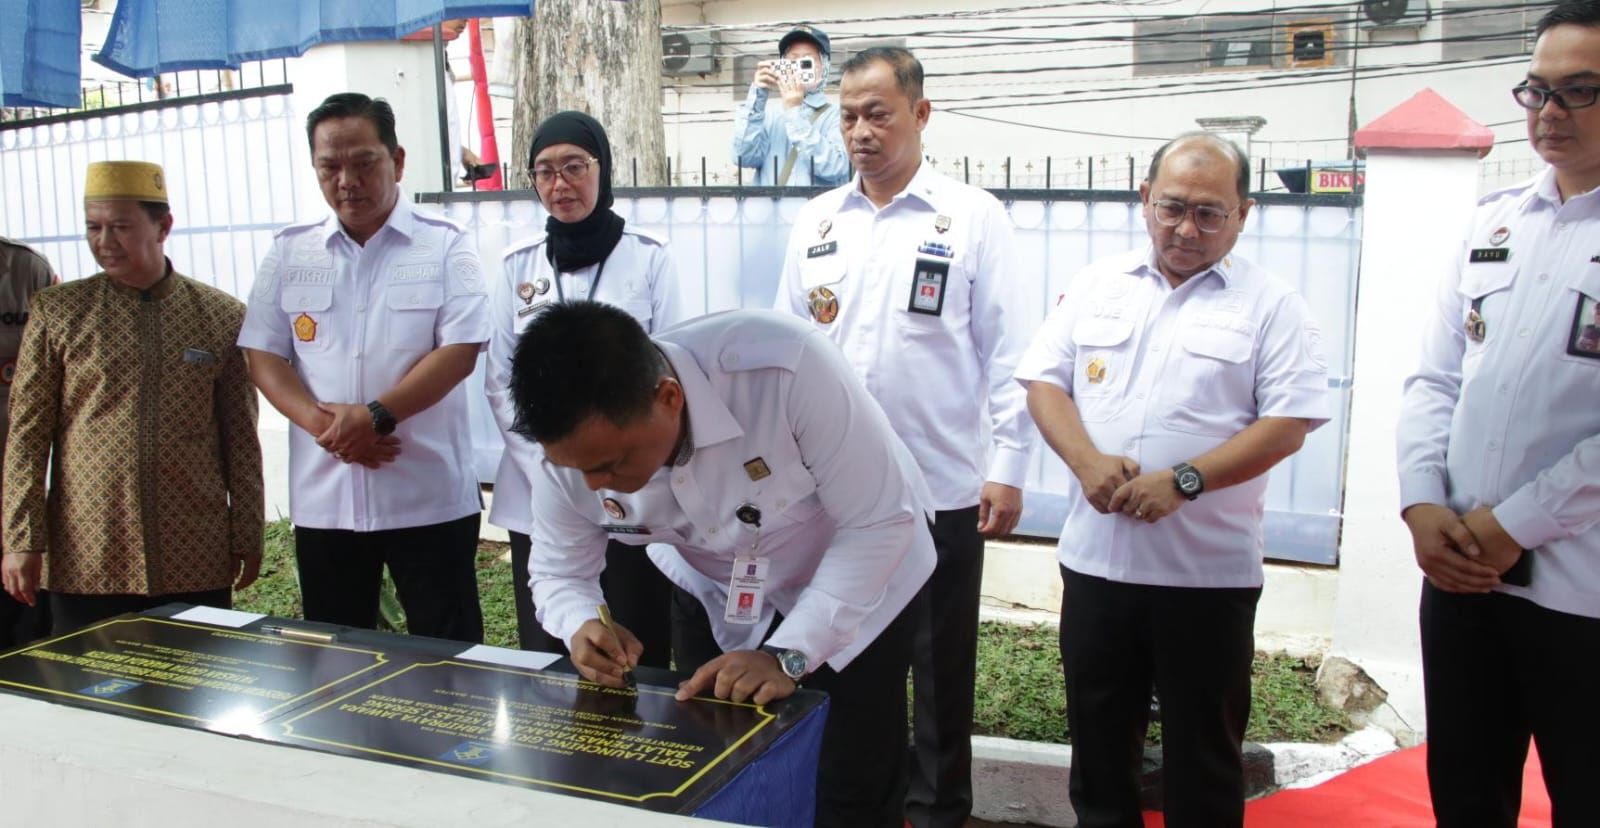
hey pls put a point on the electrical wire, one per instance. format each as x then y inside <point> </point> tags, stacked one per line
<point>769,32</point>
<point>1211,85</point>
<point>1117,41</point>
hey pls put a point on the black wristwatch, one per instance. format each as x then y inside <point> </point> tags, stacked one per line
<point>791,662</point>
<point>382,421</point>
<point>1188,480</point>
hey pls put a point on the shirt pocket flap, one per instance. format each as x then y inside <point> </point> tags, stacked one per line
<point>1479,279</point>
<point>416,297</point>
<point>1587,281</point>
<point>301,298</point>
<point>1219,343</point>
<point>823,270</point>
<point>1101,333</point>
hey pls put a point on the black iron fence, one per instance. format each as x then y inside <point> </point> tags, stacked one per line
<point>254,78</point>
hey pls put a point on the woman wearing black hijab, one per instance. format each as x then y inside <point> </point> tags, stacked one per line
<point>585,252</point>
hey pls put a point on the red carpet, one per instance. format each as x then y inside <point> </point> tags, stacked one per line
<point>1391,792</point>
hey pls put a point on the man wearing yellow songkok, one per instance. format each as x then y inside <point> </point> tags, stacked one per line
<point>130,390</point>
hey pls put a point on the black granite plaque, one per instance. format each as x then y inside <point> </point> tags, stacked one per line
<point>408,700</point>
<point>549,731</point>
<point>181,673</point>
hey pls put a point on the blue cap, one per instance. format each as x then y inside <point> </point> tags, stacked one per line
<point>805,32</point>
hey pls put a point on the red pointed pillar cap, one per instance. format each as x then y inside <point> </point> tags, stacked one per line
<point>1426,121</point>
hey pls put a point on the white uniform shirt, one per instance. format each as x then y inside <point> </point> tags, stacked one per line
<point>928,371</point>
<point>843,508</point>
<point>638,277</point>
<point>1513,420</point>
<point>354,320</point>
<point>1163,375</point>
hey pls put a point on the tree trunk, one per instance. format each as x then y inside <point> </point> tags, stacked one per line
<point>601,57</point>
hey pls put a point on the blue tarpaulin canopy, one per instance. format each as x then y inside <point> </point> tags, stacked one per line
<point>39,53</point>
<point>148,37</point>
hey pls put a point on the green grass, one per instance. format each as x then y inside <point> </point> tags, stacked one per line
<point>1284,705</point>
<point>1019,692</point>
<point>1020,695</point>
<point>494,593</point>
<point>277,591</point>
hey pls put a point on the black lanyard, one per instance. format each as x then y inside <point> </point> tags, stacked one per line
<point>594,286</point>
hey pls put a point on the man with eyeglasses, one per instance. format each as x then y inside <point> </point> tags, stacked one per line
<point>1499,461</point>
<point>1170,379</point>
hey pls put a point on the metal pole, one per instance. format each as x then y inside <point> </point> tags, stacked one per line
<point>702,171</point>
<point>1047,172</point>
<point>1131,184</point>
<point>1355,63</point>
<point>636,171</point>
<point>446,168</point>
<point>1262,186</point>
<point>1008,172</point>
<point>1091,172</point>
<point>966,169</point>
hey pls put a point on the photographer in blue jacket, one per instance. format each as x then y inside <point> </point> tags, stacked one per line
<point>795,140</point>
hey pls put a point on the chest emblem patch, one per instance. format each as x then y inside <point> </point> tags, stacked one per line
<point>1475,327</point>
<point>305,328</point>
<point>1095,371</point>
<point>824,305</point>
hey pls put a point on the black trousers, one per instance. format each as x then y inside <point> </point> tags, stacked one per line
<point>1195,646</point>
<point>944,659</point>
<point>69,611</point>
<point>20,623</point>
<point>1497,670</point>
<point>433,567</point>
<point>862,771</point>
<point>637,593</point>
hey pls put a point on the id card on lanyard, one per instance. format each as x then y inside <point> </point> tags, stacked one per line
<point>747,588</point>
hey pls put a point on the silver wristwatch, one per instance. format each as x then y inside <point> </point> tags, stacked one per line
<point>791,662</point>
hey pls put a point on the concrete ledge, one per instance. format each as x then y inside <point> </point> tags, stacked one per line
<point>1026,782</point>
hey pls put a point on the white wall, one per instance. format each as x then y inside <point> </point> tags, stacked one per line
<point>403,73</point>
<point>1416,207</point>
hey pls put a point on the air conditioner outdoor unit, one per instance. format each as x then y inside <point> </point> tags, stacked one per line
<point>689,53</point>
<point>1394,14</point>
